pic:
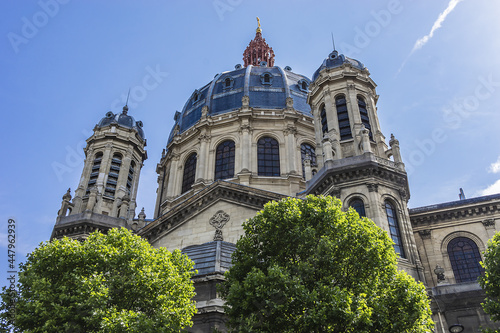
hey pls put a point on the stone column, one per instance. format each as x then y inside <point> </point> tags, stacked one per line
<point>307,168</point>
<point>246,147</point>
<point>202,158</point>
<point>354,116</point>
<point>174,170</point>
<point>290,148</point>
<point>331,115</point>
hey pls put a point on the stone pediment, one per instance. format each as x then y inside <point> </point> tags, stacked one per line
<point>235,195</point>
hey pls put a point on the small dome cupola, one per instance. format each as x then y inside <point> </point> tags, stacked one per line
<point>335,59</point>
<point>123,120</point>
<point>258,52</point>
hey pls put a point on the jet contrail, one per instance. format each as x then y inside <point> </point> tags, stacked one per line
<point>437,24</point>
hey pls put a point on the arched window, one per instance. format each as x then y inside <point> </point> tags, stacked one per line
<point>464,256</point>
<point>343,117</point>
<point>224,160</point>
<point>130,177</point>
<point>94,173</point>
<point>358,206</point>
<point>189,173</point>
<point>307,150</point>
<point>266,79</point>
<point>324,122</point>
<point>114,171</point>
<point>392,218</point>
<point>227,82</point>
<point>268,157</point>
<point>363,112</point>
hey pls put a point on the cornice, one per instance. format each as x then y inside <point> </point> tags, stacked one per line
<point>484,210</point>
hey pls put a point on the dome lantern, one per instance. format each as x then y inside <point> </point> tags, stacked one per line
<point>258,52</point>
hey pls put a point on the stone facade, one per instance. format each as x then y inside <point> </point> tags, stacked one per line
<point>261,133</point>
<point>456,299</point>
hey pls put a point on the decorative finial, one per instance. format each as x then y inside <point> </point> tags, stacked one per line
<point>258,22</point>
<point>333,42</point>
<point>125,108</point>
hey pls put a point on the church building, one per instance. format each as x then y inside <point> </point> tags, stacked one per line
<point>258,133</point>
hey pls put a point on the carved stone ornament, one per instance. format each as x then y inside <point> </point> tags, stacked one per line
<point>439,271</point>
<point>489,223</point>
<point>372,187</point>
<point>218,221</point>
<point>335,192</point>
<point>245,100</point>
<point>426,233</point>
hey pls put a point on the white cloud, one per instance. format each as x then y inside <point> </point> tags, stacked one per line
<point>437,24</point>
<point>495,167</point>
<point>492,189</point>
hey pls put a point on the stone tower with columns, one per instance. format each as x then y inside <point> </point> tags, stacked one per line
<point>106,195</point>
<point>355,164</point>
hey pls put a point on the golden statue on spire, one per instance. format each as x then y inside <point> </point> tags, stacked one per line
<point>258,21</point>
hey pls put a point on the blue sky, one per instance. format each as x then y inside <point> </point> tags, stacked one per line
<point>64,64</point>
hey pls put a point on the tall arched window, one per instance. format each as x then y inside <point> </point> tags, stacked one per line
<point>114,171</point>
<point>363,112</point>
<point>465,257</point>
<point>130,177</point>
<point>324,122</point>
<point>189,173</point>
<point>343,118</point>
<point>268,157</point>
<point>307,150</point>
<point>359,206</point>
<point>224,160</point>
<point>94,173</point>
<point>392,218</point>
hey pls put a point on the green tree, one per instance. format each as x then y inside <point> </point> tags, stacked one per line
<point>490,280</point>
<point>307,266</point>
<point>109,283</point>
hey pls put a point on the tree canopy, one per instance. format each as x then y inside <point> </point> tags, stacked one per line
<point>307,266</point>
<point>109,283</point>
<point>490,280</point>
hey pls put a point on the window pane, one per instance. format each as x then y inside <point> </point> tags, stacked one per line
<point>394,229</point>
<point>268,157</point>
<point>224,163</point>
<point>464,256</point>
<point>358,206</point>
<point>189,173</point>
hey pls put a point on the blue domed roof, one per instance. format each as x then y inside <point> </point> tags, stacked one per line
<point>336,60</point>
<point>122,119</point>
<point>266,87</point>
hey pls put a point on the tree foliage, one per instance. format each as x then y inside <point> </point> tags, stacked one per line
<point>307,266</point>
<point>109,283</point>
<point>490,280</point>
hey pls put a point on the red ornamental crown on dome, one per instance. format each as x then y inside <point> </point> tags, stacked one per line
<point>258,51</point>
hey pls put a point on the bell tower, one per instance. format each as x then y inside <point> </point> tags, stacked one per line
<point>106,195</point>
<point>356,165</point>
